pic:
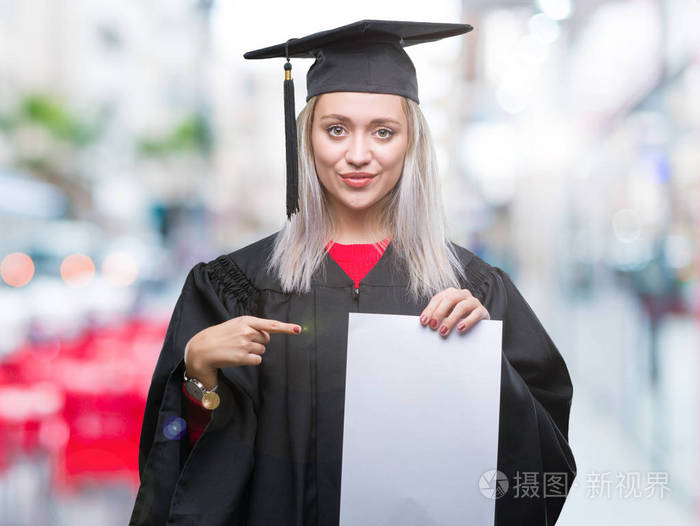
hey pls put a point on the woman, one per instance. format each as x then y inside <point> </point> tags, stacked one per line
<point>266,325</point>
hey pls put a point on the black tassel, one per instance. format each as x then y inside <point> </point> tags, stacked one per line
<point>290,131</point>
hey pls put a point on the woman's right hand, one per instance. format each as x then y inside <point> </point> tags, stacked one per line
<point>235,342</point>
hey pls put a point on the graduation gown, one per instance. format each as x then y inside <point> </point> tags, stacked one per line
<point>271,453</point>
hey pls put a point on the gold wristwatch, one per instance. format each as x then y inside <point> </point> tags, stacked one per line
<point>208,397</point>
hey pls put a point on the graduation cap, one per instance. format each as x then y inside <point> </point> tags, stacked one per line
<point>364,56</point>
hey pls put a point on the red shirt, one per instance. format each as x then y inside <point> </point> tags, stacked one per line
<point>355,259</point>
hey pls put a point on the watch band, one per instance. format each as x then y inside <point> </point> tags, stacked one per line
<point>208,397</point>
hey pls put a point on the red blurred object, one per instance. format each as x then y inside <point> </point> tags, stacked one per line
<point>80,400</point>
<point>103,438</point>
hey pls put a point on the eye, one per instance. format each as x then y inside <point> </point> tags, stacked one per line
<point>335,128</point>
<point>384,133</point>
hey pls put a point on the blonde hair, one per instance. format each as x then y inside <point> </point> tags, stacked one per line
<point>412,212</point>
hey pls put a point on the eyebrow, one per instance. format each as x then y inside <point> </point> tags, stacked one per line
<point>378,120</point>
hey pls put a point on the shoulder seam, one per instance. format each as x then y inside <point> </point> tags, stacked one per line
<point>233,281</point>
<point>478,272</point>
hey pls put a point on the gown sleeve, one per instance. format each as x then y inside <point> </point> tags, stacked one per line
<point>536,393</point>
<point>173,474</point>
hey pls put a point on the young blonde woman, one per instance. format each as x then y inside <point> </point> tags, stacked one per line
<point>259,336</point>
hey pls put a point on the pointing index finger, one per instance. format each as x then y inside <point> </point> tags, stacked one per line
<point>275,326</point>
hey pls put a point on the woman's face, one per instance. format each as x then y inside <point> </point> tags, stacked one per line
<point>358,132</point>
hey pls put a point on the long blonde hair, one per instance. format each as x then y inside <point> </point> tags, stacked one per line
<point>412,212</point>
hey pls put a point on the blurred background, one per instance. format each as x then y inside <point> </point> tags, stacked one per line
<point>135,141</point>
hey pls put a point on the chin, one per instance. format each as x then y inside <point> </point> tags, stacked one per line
<point>358,206</point>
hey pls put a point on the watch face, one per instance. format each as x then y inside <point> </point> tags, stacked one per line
<point>210,400</point>
<point>194,391</point>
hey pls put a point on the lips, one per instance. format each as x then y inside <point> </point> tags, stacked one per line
<point>357,179</point>
<point>358,175</point>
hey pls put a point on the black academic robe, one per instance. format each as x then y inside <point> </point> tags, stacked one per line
<point>271,454</point>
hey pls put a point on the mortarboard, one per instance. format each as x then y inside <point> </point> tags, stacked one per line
<point>365,56</point>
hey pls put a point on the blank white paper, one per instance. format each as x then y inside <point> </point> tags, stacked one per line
<point>421,422</point>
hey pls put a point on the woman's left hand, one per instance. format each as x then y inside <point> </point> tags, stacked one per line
<point>457,307</point>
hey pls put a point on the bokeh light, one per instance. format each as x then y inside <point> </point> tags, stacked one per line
<point>17,269</point>
<point>626,224</point>
<point>120,269</point>
<point>556,9</point>
<point>174,428</point>
<point>77,270</point>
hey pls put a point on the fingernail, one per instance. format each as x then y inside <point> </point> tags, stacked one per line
<point>297,329</point>
<point>433,323</point>
<point>423,319</point>
<point>460,326</point>
<point>443,330</point>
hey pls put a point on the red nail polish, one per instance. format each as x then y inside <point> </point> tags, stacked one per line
<point>443,330</point>
<point>423,318</point>
<point>460,326</point>
<point>433,323</point>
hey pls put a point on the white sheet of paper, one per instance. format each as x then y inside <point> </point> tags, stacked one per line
<point>421,422</point>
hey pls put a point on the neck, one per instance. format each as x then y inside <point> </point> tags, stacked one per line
<point>357,226</point>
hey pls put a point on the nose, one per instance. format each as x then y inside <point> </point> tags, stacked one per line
<point>358,152</point>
